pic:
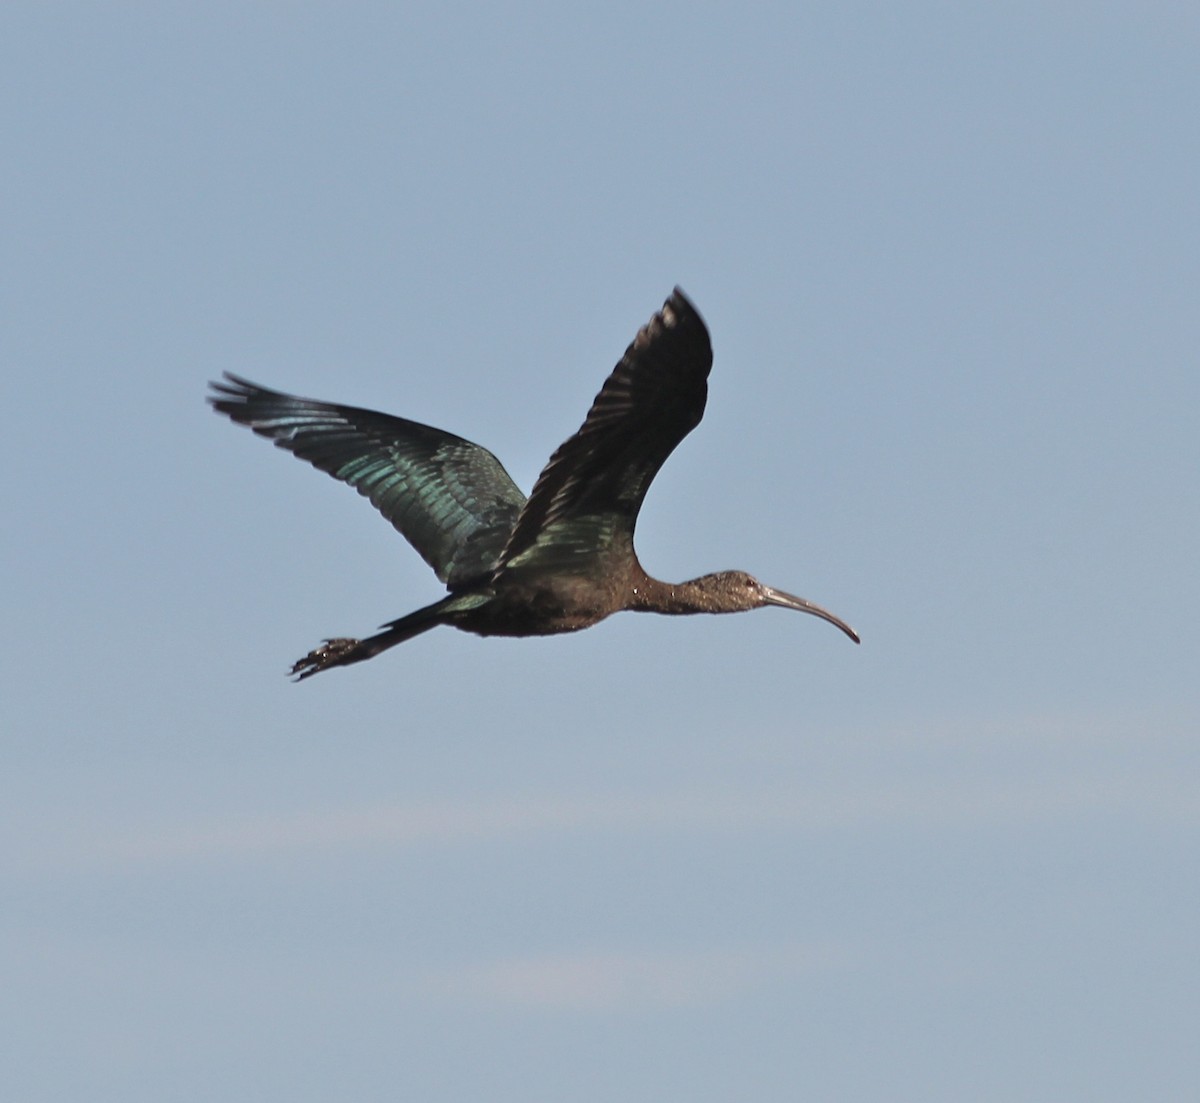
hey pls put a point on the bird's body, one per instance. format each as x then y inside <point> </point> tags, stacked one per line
<point>559,561</point>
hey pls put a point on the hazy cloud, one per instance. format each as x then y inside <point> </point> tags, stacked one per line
<point>962,793</point>
<point>606,981</point>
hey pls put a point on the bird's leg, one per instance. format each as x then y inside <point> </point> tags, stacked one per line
<point>343,652</point>
<point>338,652</point>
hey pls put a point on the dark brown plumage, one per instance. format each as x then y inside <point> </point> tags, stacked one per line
<point>559,561</point>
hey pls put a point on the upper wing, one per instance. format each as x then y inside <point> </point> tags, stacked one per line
<point>593,486</point>
<point>448,497</point>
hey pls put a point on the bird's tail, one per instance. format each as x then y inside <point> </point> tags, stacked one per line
<point>343,652</point>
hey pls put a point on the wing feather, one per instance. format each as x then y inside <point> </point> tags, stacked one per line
<point>654,397</point>
<point>451,499</point>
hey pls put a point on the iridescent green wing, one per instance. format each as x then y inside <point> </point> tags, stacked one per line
<point>451,499</point>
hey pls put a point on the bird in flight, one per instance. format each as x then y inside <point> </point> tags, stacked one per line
<point>561,559</point>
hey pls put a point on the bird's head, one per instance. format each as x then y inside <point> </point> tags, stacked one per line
<point>737,591</point>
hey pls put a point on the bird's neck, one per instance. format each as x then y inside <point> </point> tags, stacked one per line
<point>649,595</point>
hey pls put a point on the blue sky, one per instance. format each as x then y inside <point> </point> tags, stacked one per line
<point>950,261</point>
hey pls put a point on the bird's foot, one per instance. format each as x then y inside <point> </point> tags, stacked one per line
<point>337,652</point>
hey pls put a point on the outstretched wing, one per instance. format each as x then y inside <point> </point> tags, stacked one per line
<point>588,496</point>
<point>451,499</point>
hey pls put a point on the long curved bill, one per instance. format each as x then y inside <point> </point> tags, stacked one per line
<point>803,605</point>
